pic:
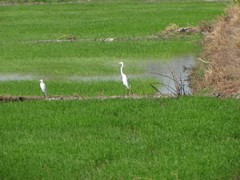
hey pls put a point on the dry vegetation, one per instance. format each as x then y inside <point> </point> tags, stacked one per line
<point>219,70</point>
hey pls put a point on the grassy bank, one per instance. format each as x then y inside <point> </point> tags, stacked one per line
<point>186,138</point>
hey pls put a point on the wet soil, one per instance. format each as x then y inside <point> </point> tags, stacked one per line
<point>59,98</point>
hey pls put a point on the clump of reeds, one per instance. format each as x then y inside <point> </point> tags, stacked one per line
<point>219,68</point>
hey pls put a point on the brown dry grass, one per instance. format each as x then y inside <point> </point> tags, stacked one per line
<point>221,72</point>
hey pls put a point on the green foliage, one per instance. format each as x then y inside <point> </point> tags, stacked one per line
<point>185,138</point>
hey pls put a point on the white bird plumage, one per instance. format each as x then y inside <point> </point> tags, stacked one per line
<point>43,87</point>
<point>124,77</point>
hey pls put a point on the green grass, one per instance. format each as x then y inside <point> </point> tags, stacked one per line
<point>22,24</point>
<point>85,88</point>
<point>99,20</point>
<point>86,58</point>
<point>185,138</point>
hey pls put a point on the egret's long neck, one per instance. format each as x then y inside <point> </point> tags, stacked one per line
<point>121,69</point>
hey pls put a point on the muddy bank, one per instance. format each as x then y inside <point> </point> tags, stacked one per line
<point>59,98</point>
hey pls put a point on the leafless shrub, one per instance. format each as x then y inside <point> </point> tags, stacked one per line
<point>179,86</point>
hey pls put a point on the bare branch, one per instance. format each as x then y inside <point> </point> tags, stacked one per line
<point>178,82</point>
<point>164,75</point>
<point>172,90</point>
<point>155,88</point>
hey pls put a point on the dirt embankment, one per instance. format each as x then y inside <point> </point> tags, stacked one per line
<point>76,97</point>
<point>219,71</point>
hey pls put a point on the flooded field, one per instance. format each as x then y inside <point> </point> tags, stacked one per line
<point>15,77</point>
<point>158,70</point>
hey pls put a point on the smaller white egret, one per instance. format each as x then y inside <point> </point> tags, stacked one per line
<point>43,87</point>
<point>124,77</point>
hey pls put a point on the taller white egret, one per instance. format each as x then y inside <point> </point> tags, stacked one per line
<point>43,87</point>
<point>124,77</point>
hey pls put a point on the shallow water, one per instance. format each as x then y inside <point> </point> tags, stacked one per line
<point>150,67</point>
<point>178,66</point>
<point>15,77</point>
<point>106,77</point>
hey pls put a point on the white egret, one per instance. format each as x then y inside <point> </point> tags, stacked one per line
<point>124,77</point>
<point>43,87</point>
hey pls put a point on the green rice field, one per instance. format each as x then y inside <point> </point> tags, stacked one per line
<point>186,138</point>
<point>56,41</point>
<point>26,30</point>
<point>67,44</point>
